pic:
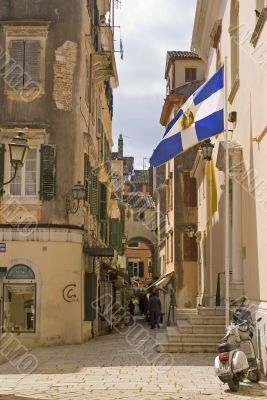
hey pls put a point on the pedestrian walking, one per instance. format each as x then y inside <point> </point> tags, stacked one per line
<point>154,310</point>
<point>131,307</point>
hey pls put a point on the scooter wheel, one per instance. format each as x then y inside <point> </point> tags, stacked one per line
<point>254,376</point>
<point>233,384</point>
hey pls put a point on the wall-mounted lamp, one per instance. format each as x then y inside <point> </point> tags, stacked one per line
<point>76,198</point>
<point>123,239</point>
<point>207,149</point>
<point>190,231</point>
<point>18,147</point>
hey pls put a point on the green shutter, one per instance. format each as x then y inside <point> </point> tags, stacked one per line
<point>90,298</point>
<point>94,192</point>
<point>32,62</point>
<point>130,269</point>
<point>48,172</point>
<point>87,177</point>
<point>141,269</point>
<point>2,163</point>
<point>115,235</point>
<point>102,201</point>
<point>15,76</point>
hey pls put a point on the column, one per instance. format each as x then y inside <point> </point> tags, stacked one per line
<point>237,256</point>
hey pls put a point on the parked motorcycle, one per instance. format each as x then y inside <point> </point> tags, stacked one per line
<point>237,359</point>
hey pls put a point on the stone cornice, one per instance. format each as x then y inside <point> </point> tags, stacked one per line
<point>170,101</point>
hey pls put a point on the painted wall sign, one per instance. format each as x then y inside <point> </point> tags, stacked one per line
<point>2,247</point>
<point>69,294</point>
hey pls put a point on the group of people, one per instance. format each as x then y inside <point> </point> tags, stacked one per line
<point>150,308</point>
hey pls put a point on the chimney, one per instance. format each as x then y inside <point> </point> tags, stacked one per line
<point>120,147</point>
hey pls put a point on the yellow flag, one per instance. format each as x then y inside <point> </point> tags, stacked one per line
<point>210,185</point>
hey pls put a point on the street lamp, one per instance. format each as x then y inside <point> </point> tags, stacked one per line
<point>207,149</point>
<point>18,147</point>
<point>75,198</point>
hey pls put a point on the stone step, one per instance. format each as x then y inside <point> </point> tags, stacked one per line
<point>165,347</point>
<point>207,320</point>
<point>174,336</point>
<point>186,313</point>
<point>211,311</point>
<point>185,327</point>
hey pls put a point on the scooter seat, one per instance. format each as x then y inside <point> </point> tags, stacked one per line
<point>226,347</point>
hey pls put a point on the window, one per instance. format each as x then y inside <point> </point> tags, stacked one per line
<point>25,65</point>
<point>25,183</point>
<point>136,268</point>
<point>190,74</point>
<point>190,191</point>
<point>20,300</point>
<point>190,248</point>
<point>133,245</point>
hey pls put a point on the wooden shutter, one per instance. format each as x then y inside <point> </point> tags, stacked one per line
<point>130,269</point>
<point>87,177</point>
<point>190,248</point>
<point>32,62</point>
<point>190,191</point>
<point>15,75</point>
<point>94,192</point>
<point>2,162</point>
<point>116,234</point>
<point>90,298</point>
<point>141,269</point>
<point>102,201</point>
<point>48,172</point>
<point>190,74</point>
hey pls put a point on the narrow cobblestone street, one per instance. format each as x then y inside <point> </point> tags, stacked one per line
<point>109,367</point>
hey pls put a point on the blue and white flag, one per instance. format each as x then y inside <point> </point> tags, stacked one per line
<point>201,117</point>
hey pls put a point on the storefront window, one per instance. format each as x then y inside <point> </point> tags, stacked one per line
<point>19,300</point>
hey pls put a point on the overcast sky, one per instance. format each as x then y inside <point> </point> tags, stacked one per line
<point>149,29</point>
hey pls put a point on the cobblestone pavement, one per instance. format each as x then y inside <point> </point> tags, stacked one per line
<point>112,367</point>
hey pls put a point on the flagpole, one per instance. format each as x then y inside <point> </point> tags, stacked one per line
<point>210,210</point>
<point>226,239</point>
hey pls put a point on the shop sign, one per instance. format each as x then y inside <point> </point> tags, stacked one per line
<point>2,247</point>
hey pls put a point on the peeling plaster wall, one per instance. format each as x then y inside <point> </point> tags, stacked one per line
<point>66,59</point>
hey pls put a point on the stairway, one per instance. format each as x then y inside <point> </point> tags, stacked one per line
<point>198,331</point>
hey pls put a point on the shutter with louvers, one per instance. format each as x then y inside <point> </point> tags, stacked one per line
<point>90,298</point>
<point>87,177</point>
<point>2,162</point>
<point>141,269</point>
<point>94,192</point>
<point>102,201</point>
<point>115,235</point>
<point>48,172</point>
<point>130,269</point>
<point>32,62</point>
<point>15,69</point>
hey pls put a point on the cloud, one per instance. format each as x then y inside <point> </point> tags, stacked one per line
<point>149,28</point>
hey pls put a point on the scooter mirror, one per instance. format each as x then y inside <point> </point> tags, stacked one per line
<point>259,319</point>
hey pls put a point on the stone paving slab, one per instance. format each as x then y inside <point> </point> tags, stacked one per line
<point>113,367</point>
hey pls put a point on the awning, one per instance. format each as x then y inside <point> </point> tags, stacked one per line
<point>162,281</point>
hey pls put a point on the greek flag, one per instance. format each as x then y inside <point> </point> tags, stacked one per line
<point>201,117</point>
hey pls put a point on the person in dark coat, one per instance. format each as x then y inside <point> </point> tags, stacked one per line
<point>154,310</point>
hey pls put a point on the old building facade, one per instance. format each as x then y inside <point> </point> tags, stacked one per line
<point>57,76</point>
<point>230,33</point>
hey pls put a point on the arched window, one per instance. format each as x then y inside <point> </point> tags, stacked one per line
<point>234,33</point>
<point>19,299</point>
<point>20,271</point>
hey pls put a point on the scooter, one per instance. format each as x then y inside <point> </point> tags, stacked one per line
<point>237,358</point>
